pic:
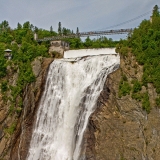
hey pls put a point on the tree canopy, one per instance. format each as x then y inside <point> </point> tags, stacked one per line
<point>144,43</point>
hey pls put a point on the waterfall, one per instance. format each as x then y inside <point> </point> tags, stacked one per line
<point>70,95</point>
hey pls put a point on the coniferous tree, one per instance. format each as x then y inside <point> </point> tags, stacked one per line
<point>77,30</point>
<point>5,24</point>
<point>59,28</point>
<point>155,11</point>
<point>26,25</point>
<point>51,29</point>
<point>19,26</point>
<point>32,27</point>
<point>36,29</point>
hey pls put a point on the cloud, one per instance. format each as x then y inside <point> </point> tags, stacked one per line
<point>87,15</point>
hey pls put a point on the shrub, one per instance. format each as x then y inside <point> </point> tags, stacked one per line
<point>4,86</point>
<point>136,86</point>
<point>124,51</point>
<point>15,91</point>
<point>137,96</point>
<point>124,77</point>
<point>145,103</point>
<point>2,67</point>
<point>158,101</point>
<point>124,88</point>
<point>11,129</point>
<point>11,109</point>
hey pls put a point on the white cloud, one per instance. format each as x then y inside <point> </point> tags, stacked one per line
<point>87,15</point>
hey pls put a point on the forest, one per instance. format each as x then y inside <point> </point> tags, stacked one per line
<point>144,44</point>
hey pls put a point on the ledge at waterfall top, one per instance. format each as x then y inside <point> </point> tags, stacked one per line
<point>71,92</point>
<point>88,52</point>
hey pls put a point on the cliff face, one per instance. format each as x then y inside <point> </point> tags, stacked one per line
<point>31,97</point>
<point>120,129</point>
<point>14,146</point>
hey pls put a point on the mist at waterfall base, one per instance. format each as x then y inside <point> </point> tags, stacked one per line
<point>70,96</point>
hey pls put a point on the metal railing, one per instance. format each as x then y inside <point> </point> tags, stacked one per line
<point>85,34</point>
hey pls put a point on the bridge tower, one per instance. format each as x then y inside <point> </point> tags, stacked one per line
<point>35,36</point>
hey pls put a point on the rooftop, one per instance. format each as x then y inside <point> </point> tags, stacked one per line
<point>8,50</point>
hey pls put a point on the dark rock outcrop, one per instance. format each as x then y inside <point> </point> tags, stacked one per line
<point>122,129</point>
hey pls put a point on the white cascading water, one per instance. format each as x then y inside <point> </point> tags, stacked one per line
<point>71,92</point>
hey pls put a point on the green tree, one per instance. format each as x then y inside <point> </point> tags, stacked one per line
<point>59,28</point>
<point>4,86</point>
<point>124,88</point>
<point>88,42</point>
<point>155,11</point>
<point>19,26</point>
<point>51,29</point>
<point>4,25</point>
<point>136,86</point>
<point>145,103</point>
<point>3,67</point>
<point>77,31</point>
<point>27,25</point>
<point>36,29</point>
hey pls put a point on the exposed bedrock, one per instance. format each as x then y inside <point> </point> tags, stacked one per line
<point>31,96</point>
<point>120,129</point>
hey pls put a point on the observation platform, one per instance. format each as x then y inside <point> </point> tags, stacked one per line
<point>89,52</point>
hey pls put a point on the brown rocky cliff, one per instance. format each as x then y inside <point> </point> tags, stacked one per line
<point>120,129</point>
<point>31,97</point>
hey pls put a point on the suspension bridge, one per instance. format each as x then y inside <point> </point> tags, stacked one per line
<point>94,33</point>
<point>86,34</point>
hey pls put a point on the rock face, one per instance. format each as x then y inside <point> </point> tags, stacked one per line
<point>31,96</point>
<point>58,46</point>
<point>121,129</point>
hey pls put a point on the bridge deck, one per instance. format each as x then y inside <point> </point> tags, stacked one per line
<point>85,34</point>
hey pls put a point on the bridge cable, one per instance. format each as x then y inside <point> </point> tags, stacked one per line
<point>128,21</point>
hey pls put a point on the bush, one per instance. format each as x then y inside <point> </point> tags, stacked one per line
<point>124,51</point>
<point>11,129</point>
<point>124,88</point>
<point>158,102</point>
<point>137,96</point>
<point>11,109</point>
<point>136,86</point>
<point>4,86</point>
<point>2,67</point>
<point>145,103</point>
<point>124,77</point>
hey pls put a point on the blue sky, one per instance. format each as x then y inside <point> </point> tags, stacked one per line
<point>88,15</point>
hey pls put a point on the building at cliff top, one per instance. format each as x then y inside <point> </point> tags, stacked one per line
<point>8,54</point>
<point>59,47</point>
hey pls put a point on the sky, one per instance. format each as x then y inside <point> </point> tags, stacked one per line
<point>87,15</point>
